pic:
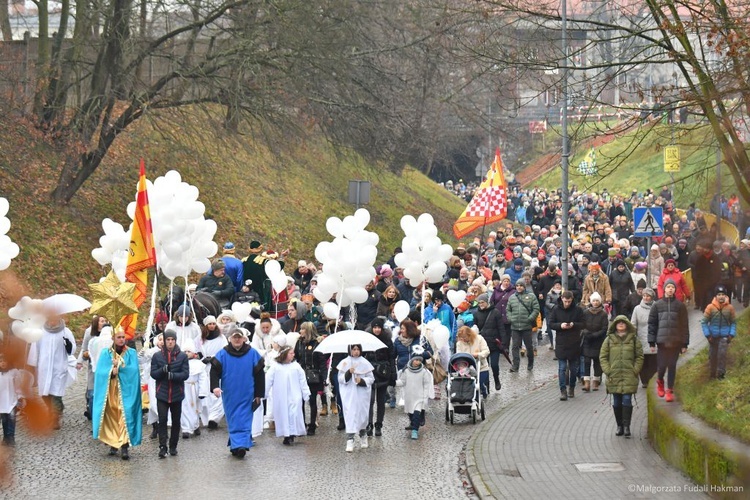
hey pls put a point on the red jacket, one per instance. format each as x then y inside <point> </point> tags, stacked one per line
<point>682,292</point>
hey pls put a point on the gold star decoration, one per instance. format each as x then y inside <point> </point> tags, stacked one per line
<point>112,298</point>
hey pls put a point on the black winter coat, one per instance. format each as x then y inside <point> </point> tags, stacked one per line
<point>567,342</point>
<point>621,284</point>
<point>490,324</point>
<point>383,361</point>
<point>170,371</point>
<point>594,331</point>
<point>308,359</point>
<point>668,323</point>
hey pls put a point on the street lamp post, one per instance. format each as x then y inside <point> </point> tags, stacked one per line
<point>565,149</point>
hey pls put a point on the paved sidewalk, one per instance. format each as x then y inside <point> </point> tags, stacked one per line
<point>541,447</point>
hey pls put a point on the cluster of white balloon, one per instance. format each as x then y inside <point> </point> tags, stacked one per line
<point>423,256</point>
<point>183,237</point>
<point>29,319</point>
<point>348,262</point>
<point>114,247</point>
<point>8,249</point>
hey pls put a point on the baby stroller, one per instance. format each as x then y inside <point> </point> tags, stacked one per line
<point>462,386</point>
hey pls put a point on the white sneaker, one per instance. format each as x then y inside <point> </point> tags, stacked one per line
<point>349,445</point>
<point>363,442</point>
<point>266,425</point>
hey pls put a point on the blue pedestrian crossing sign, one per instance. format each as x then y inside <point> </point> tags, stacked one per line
<point>649,221</point>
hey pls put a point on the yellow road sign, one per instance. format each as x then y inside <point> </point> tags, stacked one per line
<point>672,159</point>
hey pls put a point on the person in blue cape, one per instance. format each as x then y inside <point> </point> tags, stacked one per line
<point>237,376</point>
<point>117,398</point>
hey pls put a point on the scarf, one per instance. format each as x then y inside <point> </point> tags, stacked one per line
<point>405,341</point>
<point>55,328</point>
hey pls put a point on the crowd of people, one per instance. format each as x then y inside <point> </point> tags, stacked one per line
<point>621,320</point>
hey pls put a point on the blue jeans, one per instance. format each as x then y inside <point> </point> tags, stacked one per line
<point>622,400</point>
<point>494,364</point>
<point>9,425</point>
<point>89,401</point>
<point>416,419</point>
<point>484,383</point>
<point>567,373</point>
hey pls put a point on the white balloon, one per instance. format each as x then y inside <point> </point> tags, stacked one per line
<point>456,297</point>
<point>440,335</point>
<point>4,225</point>
<point>414,275</point>
<point>426,219</point>
<point>272,268</point>
<point>131,210</point>
<point>401,310</point>
<point>401,260</point>
<point>12,250</point>
<point>17,328</point>
<point>334,226</point>
<point>4,262</point>
<point>194,210</point>
<point>321,251</point>
<point>4,206</point>
<point>356,293</point>
<point>173,177</point>
<point>444,252</point>
<point>241,311</point>
<point>435,272</point>
<point>328,284</point>
<point>331,310</point>
<point>408,224</point>
<point>278,282</point>
<point>362,215</point>
<point>201,265</point>
<point>101,256</point>
<point>320,295</point>
<point>173,250</point>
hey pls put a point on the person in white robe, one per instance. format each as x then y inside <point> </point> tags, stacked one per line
<point>270,358</point>
<point>355,385</point>
<point>144,359</point>
<point>12,385</point>
<point>212,410</point>
<point>418,387</point>
<point>196,389</point>
<point>287,380</point>
<point>49,357</point>
<point>184,326</point>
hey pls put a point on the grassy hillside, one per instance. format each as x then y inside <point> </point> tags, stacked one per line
<point>724,404</point>
<point>635,161</point>
<point>282,199</point>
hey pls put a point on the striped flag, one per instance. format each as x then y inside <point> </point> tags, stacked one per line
<point>142,254</point>
<point>489,204</point>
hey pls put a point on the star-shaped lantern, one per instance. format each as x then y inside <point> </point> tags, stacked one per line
<point>112,298</point>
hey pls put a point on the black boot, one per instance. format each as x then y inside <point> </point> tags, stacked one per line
<point>124,452</point>
<point>369,430</point>
<point>162,451</point>
<point>342,425</point>
<point>497,383</point>
<point>378,430</point>
<point>563,395</point>
<point>154,432</point>
<point>627,413</point>
<point>618,419</point>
